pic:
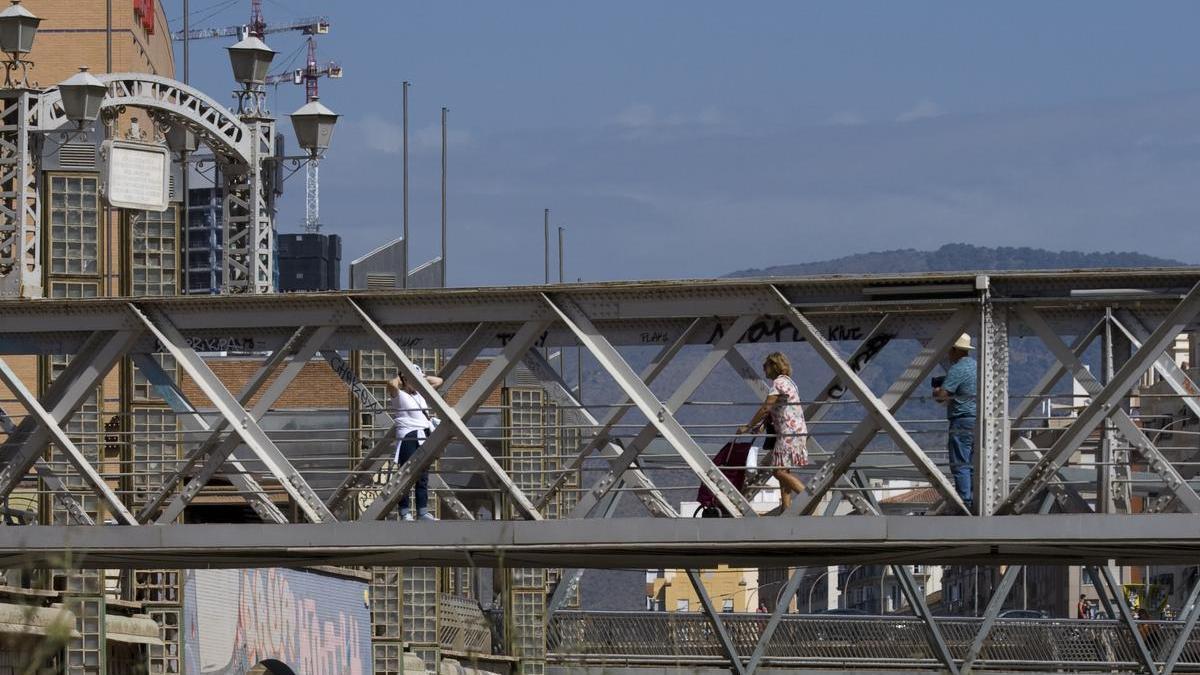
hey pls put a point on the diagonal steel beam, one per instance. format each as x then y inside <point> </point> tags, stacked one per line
<point>1114,587</point>
<point>87,368</point>
<point>789,591</point>
<point>47,421</point>
<point>1184,387</point>
<point>66,500</point>
<point>219,457</point>
<point>362,474</point>
<point>1051,376</point>
<point>562,395</point>
<point>1132,433</point>
<point>614,416</point>
<point>453,423</point>
<point>682,393</point>
<point>879,413</point>
<point>211,443</point>
<point>244,424</point>
<point>240,478</point>
<point>1191,610</point>
<point>996,602</point>
<point>462,357</point>
<point>723,636</point>
<point>909,586</point>
<point>1102,403</point>
<point>663,420</point>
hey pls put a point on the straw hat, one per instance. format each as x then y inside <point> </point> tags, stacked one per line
<point>963,342</point>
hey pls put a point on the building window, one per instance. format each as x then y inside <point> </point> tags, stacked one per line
<point>526,415</point>
<point>681,605</point>
<point>74,289</point>
<point>727,605</point>
<point>153,256</point>
<point>74,225</point>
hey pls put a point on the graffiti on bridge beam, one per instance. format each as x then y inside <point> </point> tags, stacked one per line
<point>216,344</point>
<point>505,338</point>
<point>782,330</point>
<point>860,360</point>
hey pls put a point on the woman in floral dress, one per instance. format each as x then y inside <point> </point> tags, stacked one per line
<point>787,434</point>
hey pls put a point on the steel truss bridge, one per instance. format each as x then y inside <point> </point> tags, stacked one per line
<point>1038,498</point>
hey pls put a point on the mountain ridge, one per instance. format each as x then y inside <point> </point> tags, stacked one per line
<point>959,257</point>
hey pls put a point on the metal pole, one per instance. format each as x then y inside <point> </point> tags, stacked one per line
<point>404,190</point>
<point>546,244</point>
<point>187,43</point>
<point>560,253</point>
<point>444,111</point>
<point>108,35</point>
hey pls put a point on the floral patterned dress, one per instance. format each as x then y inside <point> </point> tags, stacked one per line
<point>787,417</point>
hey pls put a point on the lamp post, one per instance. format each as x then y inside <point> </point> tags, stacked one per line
<point>313,124</point>
<point>251,60</point>
<point>18,27</point>
<point>82,95</point>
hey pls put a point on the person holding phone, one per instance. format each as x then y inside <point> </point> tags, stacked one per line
<point>957,390</point>
<point>413,422</point>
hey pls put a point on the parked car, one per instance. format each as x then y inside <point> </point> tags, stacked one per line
<point>1024,614</point>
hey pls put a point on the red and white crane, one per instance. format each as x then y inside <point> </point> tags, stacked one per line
<point>309,76</point>
<point>258,27</point>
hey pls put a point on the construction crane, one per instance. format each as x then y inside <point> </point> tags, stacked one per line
<point>309,76</point>
<point>316,25</point>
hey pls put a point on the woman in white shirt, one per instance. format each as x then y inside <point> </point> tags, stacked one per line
<point>413,423</point>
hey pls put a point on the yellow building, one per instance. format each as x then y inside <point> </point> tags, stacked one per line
<point>730,589</point>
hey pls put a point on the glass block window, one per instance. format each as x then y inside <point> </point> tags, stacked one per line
<point>142,389</point>
<point>153,252</point>
<point>375,365</point>
<point>155,450</point>
<point>74,289</point>
<point>526,418</point>
<point>74,225</point>
<point>386,602</point>
<point>420,605</point>
<point>167,657</point>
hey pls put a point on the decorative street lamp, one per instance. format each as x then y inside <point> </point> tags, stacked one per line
<point>82,96</point>
<point>313,124</point>
<point>18,26</point>
<point>251,59</point>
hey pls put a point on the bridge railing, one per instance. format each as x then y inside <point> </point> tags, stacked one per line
<point>862,641</point>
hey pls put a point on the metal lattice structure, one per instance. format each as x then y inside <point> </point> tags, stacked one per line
<point>1044,478</point>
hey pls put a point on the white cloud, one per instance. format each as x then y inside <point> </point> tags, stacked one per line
<point>430,138</point>
<point>640,120</point>
<point>637,116</point>
<point>388,137</point>
<point>382,135</point>
<point>923,110</point>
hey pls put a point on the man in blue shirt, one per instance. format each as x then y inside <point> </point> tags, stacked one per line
<point>958,392</point>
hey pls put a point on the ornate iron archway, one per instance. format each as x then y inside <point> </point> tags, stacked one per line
<point>241,146</point>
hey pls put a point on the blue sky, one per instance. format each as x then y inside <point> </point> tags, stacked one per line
<point>691,139</point>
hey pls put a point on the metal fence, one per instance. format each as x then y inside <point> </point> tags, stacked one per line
<point>862,641</point>
<point>463,627</point>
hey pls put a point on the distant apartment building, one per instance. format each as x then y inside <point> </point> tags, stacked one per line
<point>309,262</point>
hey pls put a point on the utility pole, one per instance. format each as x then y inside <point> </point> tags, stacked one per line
<point>560,253</point>
<point>108,35</point>
<point>546,245</point>
<point>444,111</point>
<point>404,198</point>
